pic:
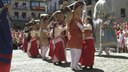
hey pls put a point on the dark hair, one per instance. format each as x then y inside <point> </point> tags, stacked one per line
<point>90,22</point>
<point>54,26</point>
<point>29,37</point>
<point>78,3</point>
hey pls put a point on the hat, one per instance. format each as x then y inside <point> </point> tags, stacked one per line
<point>65,7</point>
<point>44,17</point>
<point>73,6</point>
<point>36,21</point>
<point>56,12</point>
<point>65,3</point>
<point>32,22</point>
<point>70,7</point>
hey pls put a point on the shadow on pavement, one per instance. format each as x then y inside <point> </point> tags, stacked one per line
<point>91,70</point>
<point>47,60</point>
<point>86,70</point>
<point>67,64</point>
<point>114,56</point>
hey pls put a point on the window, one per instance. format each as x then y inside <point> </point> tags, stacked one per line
<point>123,12</point>
<point>38,6</point>
<point>16,14</point>
<point>24,4</point>
<point>6,1</point>
<point>16,4</point>
<point>35,4</point>
<point>23,14</point>
<point>42,6</point>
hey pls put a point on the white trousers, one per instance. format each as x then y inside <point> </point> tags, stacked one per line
<point>44,50</point>
<point>28,48</point>
<point>75,56</point>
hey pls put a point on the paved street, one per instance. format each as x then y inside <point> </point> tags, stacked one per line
<point>117,62</point>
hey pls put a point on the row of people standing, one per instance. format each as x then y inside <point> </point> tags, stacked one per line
<point>122,37</point>
<point>59,32</point>
<point>17,37</point>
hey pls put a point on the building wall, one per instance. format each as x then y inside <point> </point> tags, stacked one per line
<point>52,6</point>
<point>118,4</point>
<point>20,8</point>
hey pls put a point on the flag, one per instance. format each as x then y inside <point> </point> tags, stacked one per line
<point>5,41</point>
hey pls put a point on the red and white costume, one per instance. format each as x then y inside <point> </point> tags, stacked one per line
<point>87,56</point>
<point>120,40</point>
<point>57,46</point>
<point>25,42</point>
<point>32,50</point>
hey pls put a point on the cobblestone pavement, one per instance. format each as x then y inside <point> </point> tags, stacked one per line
<point>117,62</point>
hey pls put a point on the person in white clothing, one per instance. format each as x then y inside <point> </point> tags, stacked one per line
<point>59,46</point>
<point>44,35</point>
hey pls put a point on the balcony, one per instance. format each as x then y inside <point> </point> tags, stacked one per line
<point>19,18</point>
<point>41,0</point>
<point>23,18</point>
<point>20,7</point>
<point>21,0</point>
<point>38,8</point>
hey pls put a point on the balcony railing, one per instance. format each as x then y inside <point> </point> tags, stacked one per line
<point>22,18</point>
<point>41,0</point>
<point>21,0</point>
<point>38,8</point>
<point>20,7</point>
<point>19,18</point>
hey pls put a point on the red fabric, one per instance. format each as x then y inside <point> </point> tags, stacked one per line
<point>75,34</point>
<point>34,49</point>
<point>4,67</point>
<point>117,33</point>
<point>25,44</point>
<point>7,56</point>
<point>59,51</point>
<point>87,56</point>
